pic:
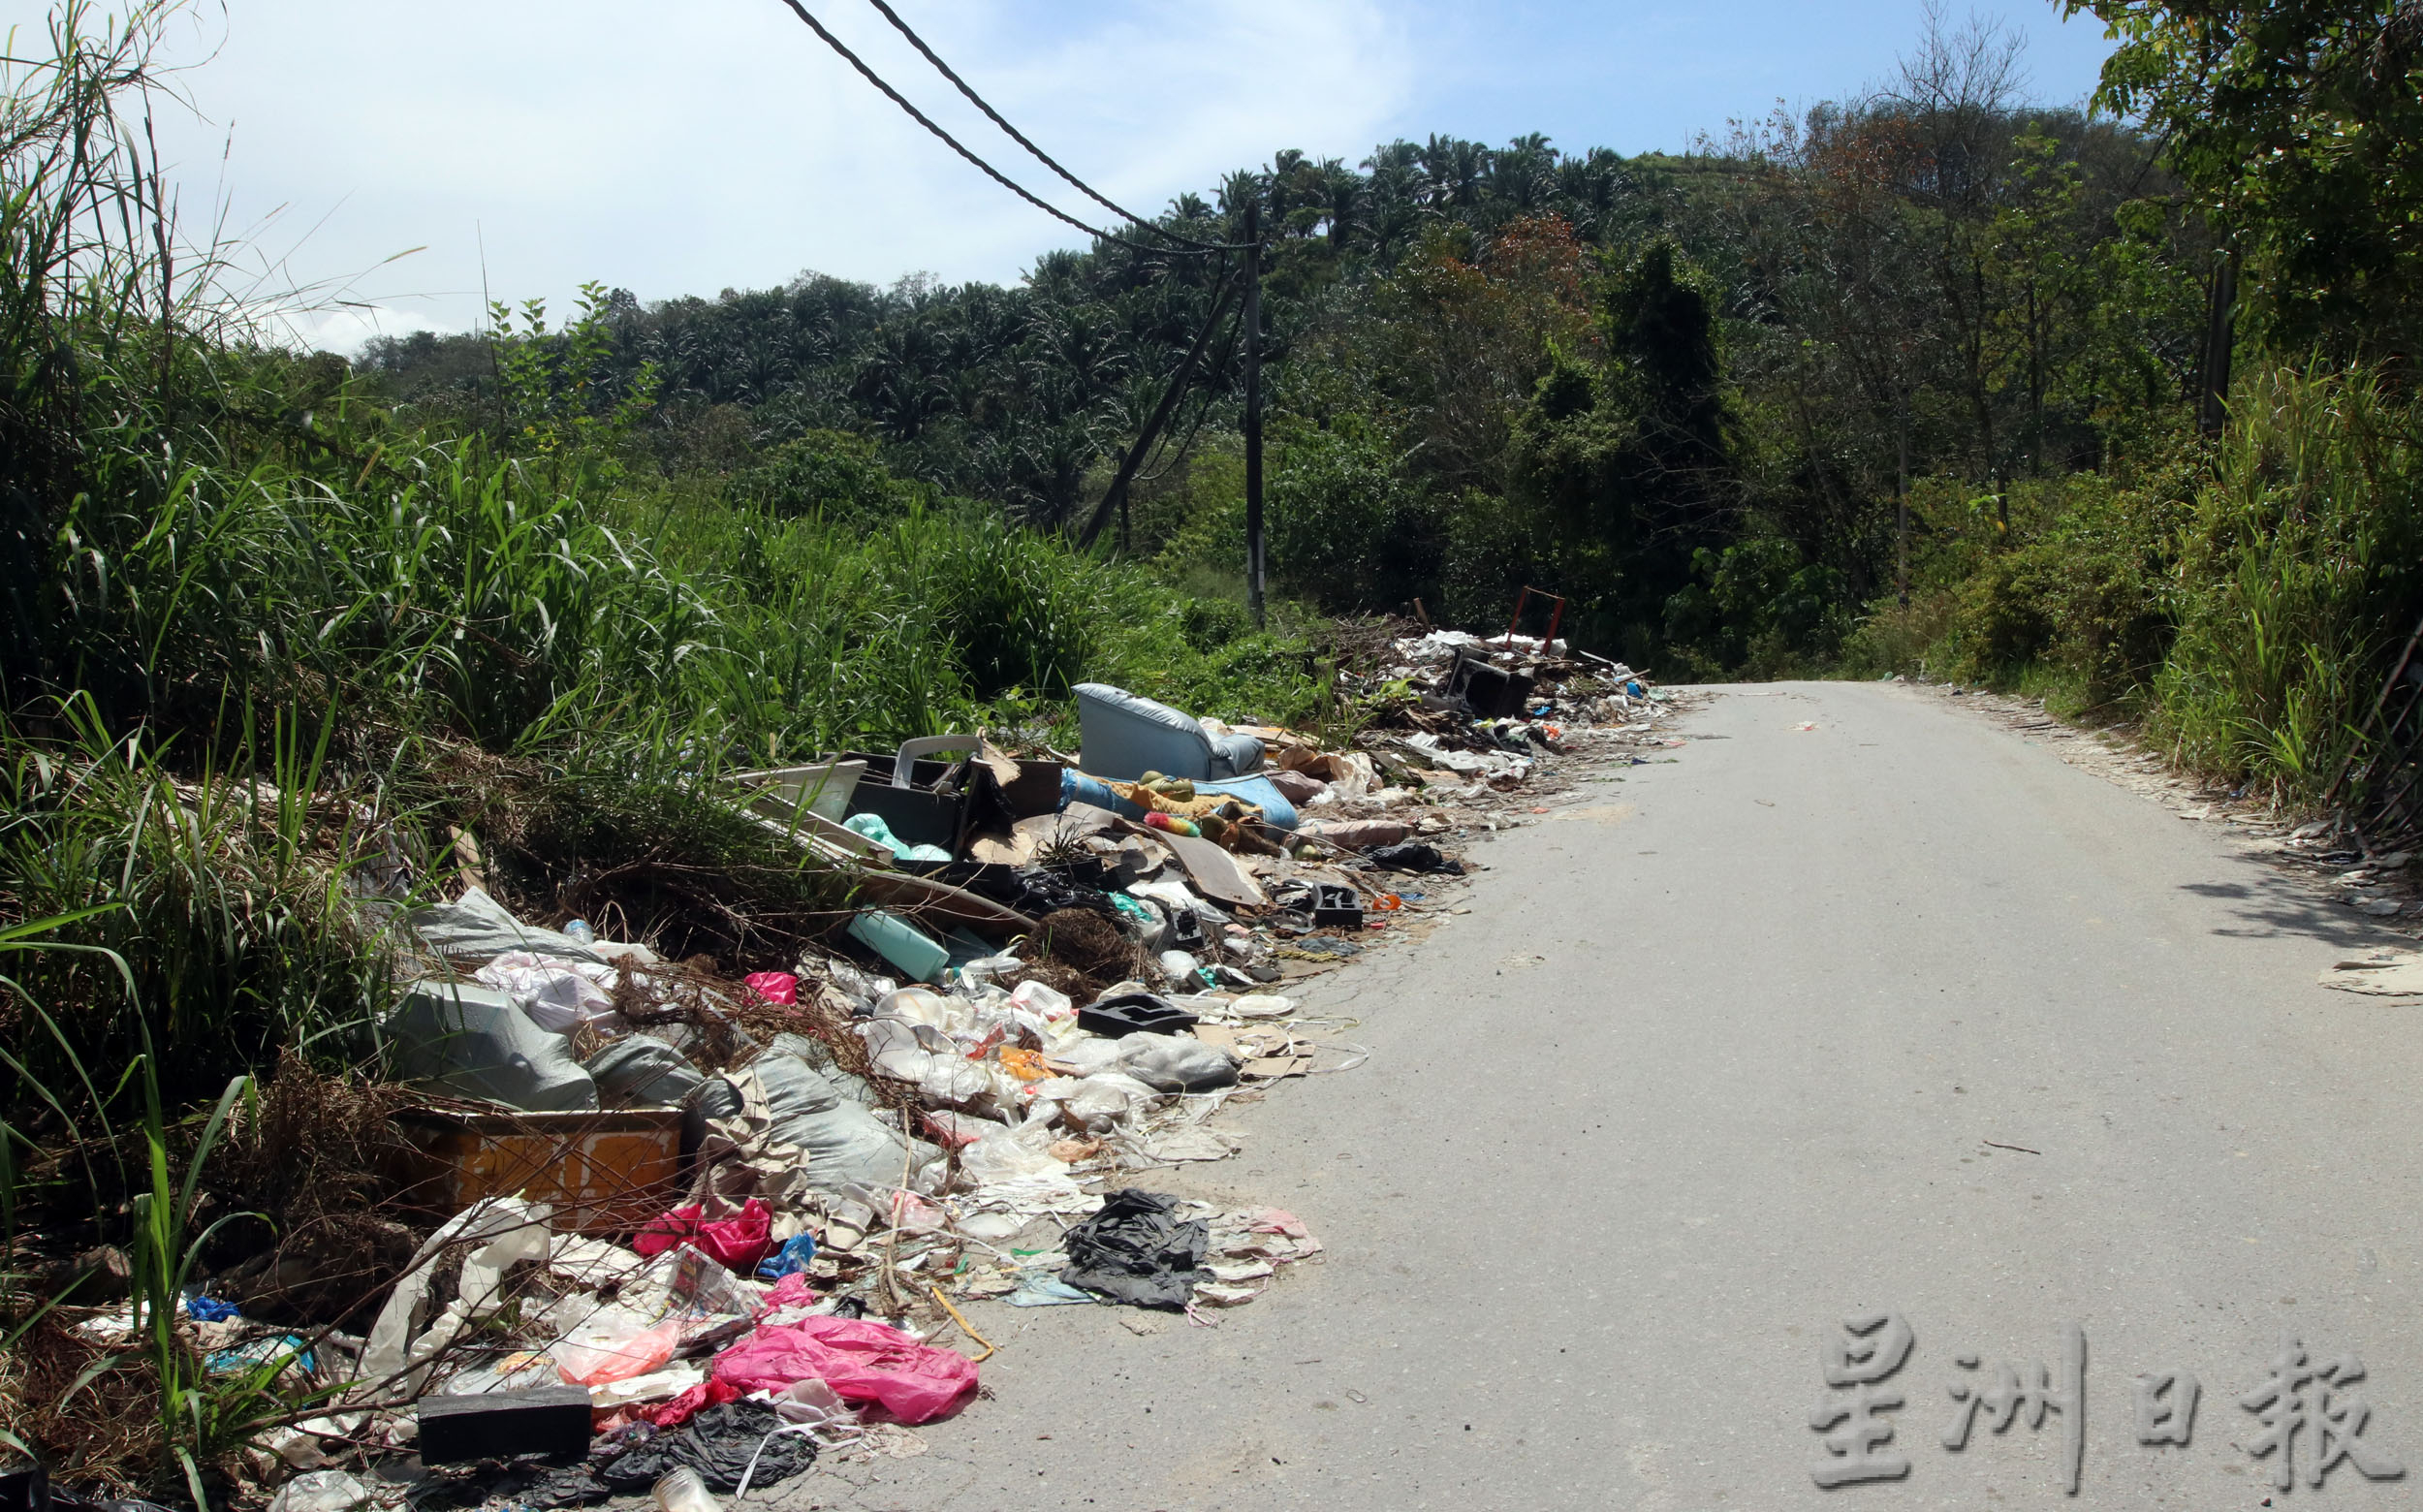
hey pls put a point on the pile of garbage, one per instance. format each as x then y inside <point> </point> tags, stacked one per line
<point>697,1231</point>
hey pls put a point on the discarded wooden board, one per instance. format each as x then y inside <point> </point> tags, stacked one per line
<point>1212,870</point>
<point>924,896</point>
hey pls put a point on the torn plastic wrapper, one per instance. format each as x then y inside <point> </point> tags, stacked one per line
<point>615,1343</point>
<point>559,995</point>
<point>395,1361</point>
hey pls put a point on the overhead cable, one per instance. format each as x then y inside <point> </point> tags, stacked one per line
<point>1040,156</point>
<point>990,171</point>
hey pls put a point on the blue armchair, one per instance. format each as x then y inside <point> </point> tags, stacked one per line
<point>1125,737</point>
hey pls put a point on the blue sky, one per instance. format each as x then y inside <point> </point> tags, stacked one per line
<point>686,148</point>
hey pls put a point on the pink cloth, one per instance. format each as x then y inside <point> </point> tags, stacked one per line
<point>864,1362</point>
<point>698,1399</point>
<point>736,1244</point>
<point>779,988</point>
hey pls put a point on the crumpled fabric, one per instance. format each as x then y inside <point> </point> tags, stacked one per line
<point>864,1362</point>
<point>720,1442</point>
<point>736,1242</point>
<point>559,995</point>
<point>739,1158</point>
<point>1137,1251</point>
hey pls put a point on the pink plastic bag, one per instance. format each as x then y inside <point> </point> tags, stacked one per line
<point>779,988</point>
<point>603,1351</point>
<point>736,1244</point>
<point>864,1362</point>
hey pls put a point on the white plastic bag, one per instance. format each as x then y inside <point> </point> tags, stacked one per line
<point>321,1490</point>
<point>559,996</point>
<point>1108,1099</point>
<point>1045,1002</point>
<point>1024,1151</point>
<point>814,1403</point>
<point>395,1362</point>
<point>1177,1062</point>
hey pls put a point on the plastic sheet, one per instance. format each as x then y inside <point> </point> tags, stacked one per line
<point>1037,998</point>
<point>473,1040</point>
<point>863,1361</point>
<point>779,988</point>
<point>1137,1249</point>
<point>1177,1063</point>
<point>476,927</point>
<point>1022,1152</point>
<point>642,1070</point>
<point>510,1232</point>
<point>727,1445</point>
<point>613,1344</point>
<point>811,1108</point>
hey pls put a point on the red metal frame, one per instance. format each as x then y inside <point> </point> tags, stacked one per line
<point>1557,617</point>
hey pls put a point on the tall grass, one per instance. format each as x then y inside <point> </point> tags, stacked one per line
<point>2301,571</point>
<point>267,640</point>
<point>231,895</point>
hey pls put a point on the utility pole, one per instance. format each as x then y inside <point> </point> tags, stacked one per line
<point>2219,339</point>
<point>1901,499</point>
<point>1254,410</point>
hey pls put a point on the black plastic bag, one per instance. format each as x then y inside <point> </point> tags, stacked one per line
<point>1413,856</point>
<point>1137,1251</point>
<point>718,1443</point>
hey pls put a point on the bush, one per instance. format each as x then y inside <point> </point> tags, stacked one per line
<point>2074,590</point>
<point>1348,530</point>
<point>2300,574</point>
<point>830,475</point>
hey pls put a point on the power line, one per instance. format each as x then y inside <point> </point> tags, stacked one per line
<point>953,144</point>
<point>1040,156</point>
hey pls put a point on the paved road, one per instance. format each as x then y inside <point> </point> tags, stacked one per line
<point>1713,1065</point>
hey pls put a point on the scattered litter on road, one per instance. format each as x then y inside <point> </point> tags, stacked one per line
<point>2391,973</point>
<point>699,1219</point>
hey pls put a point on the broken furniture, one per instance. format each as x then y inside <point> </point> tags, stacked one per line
<point>1125,737</point>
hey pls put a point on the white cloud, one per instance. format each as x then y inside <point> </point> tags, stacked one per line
<point>683,149</point>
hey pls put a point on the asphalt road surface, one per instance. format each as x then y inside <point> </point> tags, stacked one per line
<point>1898,1015</point>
